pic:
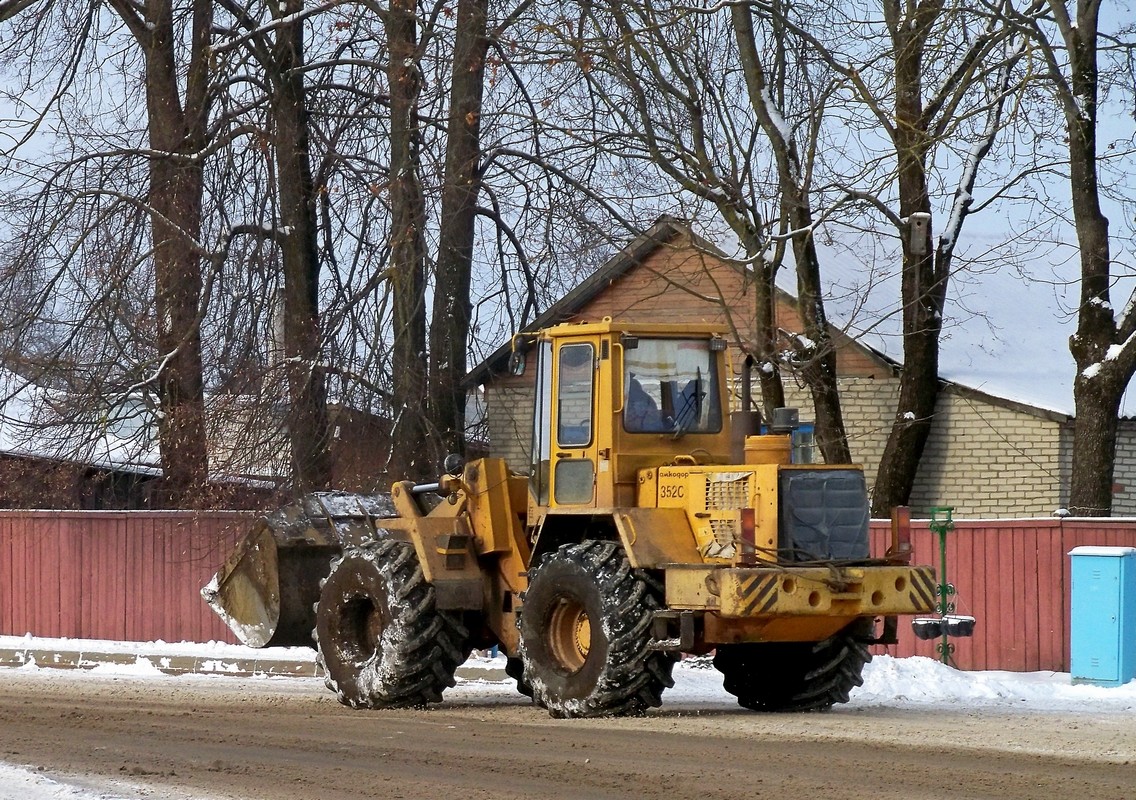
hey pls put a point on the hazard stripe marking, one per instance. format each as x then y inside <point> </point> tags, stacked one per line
<point>923,589</point>
<point>765,591</point>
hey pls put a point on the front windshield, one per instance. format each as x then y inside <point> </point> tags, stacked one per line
<point>671,386</point>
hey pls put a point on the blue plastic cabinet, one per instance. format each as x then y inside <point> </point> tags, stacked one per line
<point>1102,640</point>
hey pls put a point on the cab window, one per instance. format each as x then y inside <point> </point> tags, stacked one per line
<point>575,401</point>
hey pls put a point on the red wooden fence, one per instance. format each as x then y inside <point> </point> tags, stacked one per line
<point>136,575</point>
<point>132,576</point>
<point>1013,577</point>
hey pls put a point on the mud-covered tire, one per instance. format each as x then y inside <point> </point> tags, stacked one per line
<point>585,629</point>
<point>792,676</point>
<point>380,640</point>
<point>515,669</point>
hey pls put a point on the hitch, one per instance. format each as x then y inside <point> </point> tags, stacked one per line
<point>662,628</point>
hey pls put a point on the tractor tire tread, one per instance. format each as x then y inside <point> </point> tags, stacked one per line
<point>793,677</point>
<point>634,676</point>
<point>421,647</point>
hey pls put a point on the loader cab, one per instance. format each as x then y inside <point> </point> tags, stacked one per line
<point>612,399</point>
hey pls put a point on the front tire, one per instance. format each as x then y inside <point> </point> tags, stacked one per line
<point>381,642</point>
<point>585,633</point>
<point>794,676</point>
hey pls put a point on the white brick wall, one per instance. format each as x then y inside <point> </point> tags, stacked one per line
<point>510,412</point>
<point>982,459</point>
<point>989,461</point>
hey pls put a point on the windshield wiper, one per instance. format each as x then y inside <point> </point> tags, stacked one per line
<point>691,410</point>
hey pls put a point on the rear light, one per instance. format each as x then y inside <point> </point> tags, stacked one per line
<point>900,550</point>
<point>747,555</point>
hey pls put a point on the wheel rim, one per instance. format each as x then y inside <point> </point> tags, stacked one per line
<point>364,627</point>
<point>569,634</point>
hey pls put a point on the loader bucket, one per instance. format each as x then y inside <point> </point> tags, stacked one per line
<point>268,586</point>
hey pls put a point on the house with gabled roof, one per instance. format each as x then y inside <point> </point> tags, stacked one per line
<point>987,455</point>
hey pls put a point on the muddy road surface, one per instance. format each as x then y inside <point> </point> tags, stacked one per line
<point>288,739</point>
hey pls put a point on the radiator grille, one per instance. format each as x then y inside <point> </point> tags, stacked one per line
<point>727,491</point>
<point>725,531</point>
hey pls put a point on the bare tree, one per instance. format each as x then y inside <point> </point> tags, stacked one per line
<point>816,354</point>
<point>930,80</point>
<point>647,122</point>
<point>424,167</point>
<point>450,324</point>
<point>1080,59</point>
<point>177,128</point>
<point>174,71</point>
<point>925,112</point>
<point>307,420</point>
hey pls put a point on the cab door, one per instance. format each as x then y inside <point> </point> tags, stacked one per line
<point>574,421</point>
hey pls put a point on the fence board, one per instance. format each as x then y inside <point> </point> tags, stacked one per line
<point>71,582</point>
<point>1053,573</point>
<point>112,575</point>
<point>977,649</point>
<point>7,578</point>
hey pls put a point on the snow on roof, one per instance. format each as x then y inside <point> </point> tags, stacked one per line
<point>119,441</point>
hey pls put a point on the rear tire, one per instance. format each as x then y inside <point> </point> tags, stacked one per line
<point>585,629</point>
<point>381,642</point>
<point>794,676</point>
<point>515,669</point>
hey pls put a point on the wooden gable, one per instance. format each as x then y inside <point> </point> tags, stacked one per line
<point>682,280</point>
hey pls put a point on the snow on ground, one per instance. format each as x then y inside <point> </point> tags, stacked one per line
<point>889,682</point>
<point>18,782</point>
<point>899,683</point>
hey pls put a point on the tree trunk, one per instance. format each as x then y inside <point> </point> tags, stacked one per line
<point>449,328</point>
<point>307,419</point>
<point>819,357</point>
<point>820,367</point>
<point>924,284</point>
<point>1101,379</point>
<point>175,197</point>
<point>408,248</point>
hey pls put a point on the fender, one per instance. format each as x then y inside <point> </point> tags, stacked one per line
<point>651,537</point>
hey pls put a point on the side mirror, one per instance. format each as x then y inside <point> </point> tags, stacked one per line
<point>517,363</point>
<point>453,464</point>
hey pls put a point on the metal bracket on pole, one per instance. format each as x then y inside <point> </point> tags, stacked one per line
<point>948,623</point>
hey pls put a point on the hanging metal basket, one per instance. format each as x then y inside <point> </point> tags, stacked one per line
<point>959,625</point>
<point>927,627</point>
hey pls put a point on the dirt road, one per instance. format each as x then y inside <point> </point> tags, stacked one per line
<point>290,740</point>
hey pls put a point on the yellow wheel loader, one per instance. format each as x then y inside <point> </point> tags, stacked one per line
<point>651,522</point>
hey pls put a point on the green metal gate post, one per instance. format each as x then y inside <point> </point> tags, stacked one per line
<point>942,523</point>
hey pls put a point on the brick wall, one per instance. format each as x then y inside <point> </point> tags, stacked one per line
<point>868,405</point>
<point>1124,471</point>
<point>989,461</point>
<point>983,459</point>
<point>510,410</point>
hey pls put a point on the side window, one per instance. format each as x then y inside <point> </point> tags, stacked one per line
<point>575,403</point>
<point>542,425</point>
